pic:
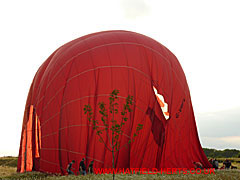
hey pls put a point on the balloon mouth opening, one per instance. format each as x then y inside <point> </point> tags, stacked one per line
<point>162,103</point>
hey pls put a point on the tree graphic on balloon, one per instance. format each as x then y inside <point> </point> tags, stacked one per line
<point>116,128</point>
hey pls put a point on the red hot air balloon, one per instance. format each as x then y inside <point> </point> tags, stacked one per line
<point>84,71</point>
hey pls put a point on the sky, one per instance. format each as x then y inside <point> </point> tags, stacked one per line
<point>204,36</point>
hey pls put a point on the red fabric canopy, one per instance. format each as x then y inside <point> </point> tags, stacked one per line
<point>85,71</point>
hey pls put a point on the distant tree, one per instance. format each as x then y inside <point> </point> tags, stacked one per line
<point>109,122</point>
<point>227,153</point>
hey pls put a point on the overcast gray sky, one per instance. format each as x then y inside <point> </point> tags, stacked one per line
<point>204,35</point>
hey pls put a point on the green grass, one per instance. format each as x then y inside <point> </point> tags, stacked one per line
<point>8,171</point>
<point>8,161</point>
<point>223,174</point>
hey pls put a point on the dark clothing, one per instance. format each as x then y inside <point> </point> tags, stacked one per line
<point>90,165</point>
<point>90,168</point>
<point>227,164</point>
<point>69,167</point>
<point>69,172</point>
<point>82,165</point>
<point>215,164</point>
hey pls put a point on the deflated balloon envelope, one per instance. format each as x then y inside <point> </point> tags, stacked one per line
<point>85,71</point>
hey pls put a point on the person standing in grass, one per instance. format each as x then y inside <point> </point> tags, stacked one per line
<point>215,163</point>
<point>82,167</point>
<point>90,167</point>
<point>69,167</point>
<point>227,164</point>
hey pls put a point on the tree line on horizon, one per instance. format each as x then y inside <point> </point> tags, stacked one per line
<point>226,153</point>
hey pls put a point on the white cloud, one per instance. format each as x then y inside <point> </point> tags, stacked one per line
<point>135,8</point>
<point>228,142</point>
<point>219,129</point>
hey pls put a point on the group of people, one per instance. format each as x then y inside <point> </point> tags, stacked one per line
<point>226,164</point>
<point>82,167</point>
<point>214,163</point>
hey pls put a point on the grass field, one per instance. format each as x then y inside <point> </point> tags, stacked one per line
<point>8,171</point>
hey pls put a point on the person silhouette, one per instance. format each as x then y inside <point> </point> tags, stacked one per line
<point>90,167</point>
<point>82,167</point>
<point>69,167</point>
